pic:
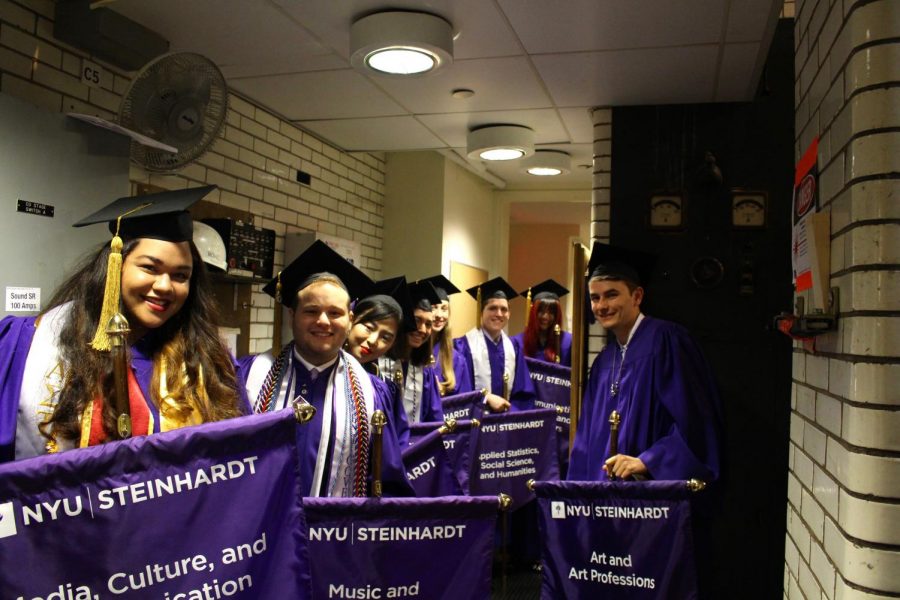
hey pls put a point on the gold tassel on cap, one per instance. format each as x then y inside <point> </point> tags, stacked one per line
<point>111,293</point>
<point>527,307</point>
<point>113,290</point>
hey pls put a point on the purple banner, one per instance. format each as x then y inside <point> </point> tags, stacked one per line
<point>428,467</point>
<point>463,406</point>
<point>553,384</point>
<point>457,443</point>
<point>430,548</point>
<point>512,448</point>
<point>203,512</point>
<point>629,540</point>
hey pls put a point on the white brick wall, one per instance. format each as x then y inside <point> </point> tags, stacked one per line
<point>601,197</point>
<point>843,527</point>
<point>254,161</point>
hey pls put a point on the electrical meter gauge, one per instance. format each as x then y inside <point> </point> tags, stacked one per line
<point>666,212</point>
<point>748,210</point>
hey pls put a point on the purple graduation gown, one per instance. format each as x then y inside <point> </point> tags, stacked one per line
<point>16,335</point>
<point>671,416</point>
<point>565,348</point>
<point>393,474</point>
<point>459,363</point>
<point>521,396</point>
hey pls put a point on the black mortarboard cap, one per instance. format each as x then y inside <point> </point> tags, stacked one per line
<point>313,263</point>
<point>397,289</point>
<point>617,262</point>
<point>493,288</point>
<point>423,295</point>
<point>548,289</point>
<point>161,216</point>
<point>443,286</point>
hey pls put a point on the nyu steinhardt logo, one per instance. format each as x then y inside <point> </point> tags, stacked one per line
<point>7,520</point>
<point>558,509</point>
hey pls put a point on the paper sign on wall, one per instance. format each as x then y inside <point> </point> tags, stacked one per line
<point>23,299</point>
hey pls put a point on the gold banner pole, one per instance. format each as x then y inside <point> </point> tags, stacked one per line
<point>118,337</point>
<point>579,334</point>
<point>379,420</point>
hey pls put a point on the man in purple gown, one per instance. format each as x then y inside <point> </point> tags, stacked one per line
<point>313,370</point>
<point>491,359</point>
<point>653,374</point>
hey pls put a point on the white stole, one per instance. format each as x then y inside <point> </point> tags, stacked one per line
<point>481,363</point>
<point>413,386</point>
<point>42,379</point>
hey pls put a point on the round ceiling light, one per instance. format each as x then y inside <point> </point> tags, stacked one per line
<point>500,142</point>
<point>546,163</point>
<point>401,43</point>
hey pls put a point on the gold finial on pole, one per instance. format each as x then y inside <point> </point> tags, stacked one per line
<point>379,420</point>
<point>696,485</point>
<point>303,410</point>
<point>449,426</point>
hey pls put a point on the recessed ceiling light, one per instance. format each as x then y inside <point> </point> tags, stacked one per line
<point>500,142</point>
<point>462,93</point>
<point>401,43</point>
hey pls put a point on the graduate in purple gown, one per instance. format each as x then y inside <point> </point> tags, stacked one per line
<point>56,384</point>
<point>377,321</point>
<point>543,338</point>
<point>491,360</point>
<point>653,374</point>
<point>314,374</point>
<point>447,362</point>
<point>410,364</point>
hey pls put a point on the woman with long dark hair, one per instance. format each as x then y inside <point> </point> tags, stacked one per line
<point>58,381</point>
<point>543,338</point>
<point>410,364</point>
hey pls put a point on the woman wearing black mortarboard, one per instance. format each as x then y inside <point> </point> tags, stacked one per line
<point>59,369</point>
<point>446,360</point>
<point>410,364</point>
<point>491,360</point>
<point>543,338</point>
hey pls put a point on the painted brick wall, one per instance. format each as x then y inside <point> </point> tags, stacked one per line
<point>843,509</point>
<point>600,203</point>
<point>254,161</point>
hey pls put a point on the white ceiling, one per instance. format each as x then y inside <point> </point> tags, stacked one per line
<point>540,63</point>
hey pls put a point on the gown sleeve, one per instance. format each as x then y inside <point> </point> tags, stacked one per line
<point>431,397</point>
<point>463,368</point>
<point>393,473</point>
<point>522,395</point>
<point>689,446</point>
<point>16,334</point>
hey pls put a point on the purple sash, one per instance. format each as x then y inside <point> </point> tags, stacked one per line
<point>204,507</point>
<point>629,540</point>
<point>512,448</point>
<point>435,548</point>
<point>553,384</point>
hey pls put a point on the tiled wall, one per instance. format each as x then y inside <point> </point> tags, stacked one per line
<point>843,511</point>
<point>254,161</point>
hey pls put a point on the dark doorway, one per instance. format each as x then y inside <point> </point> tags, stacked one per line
<point>724,277</point>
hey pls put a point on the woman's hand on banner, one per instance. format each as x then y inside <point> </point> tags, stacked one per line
<point>496,403</point>
<point>624,466</point>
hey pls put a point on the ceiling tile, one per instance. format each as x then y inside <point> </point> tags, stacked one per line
<point>385,133</point>
<point>627,77</point>
<point>737,61</point>
<point>748,20</point>
<point>454,127</point>
<point>231,35</point>
<point>552,26</point>
<point>578,123</point>
<point>319,95</point>
<point>498,83</point>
